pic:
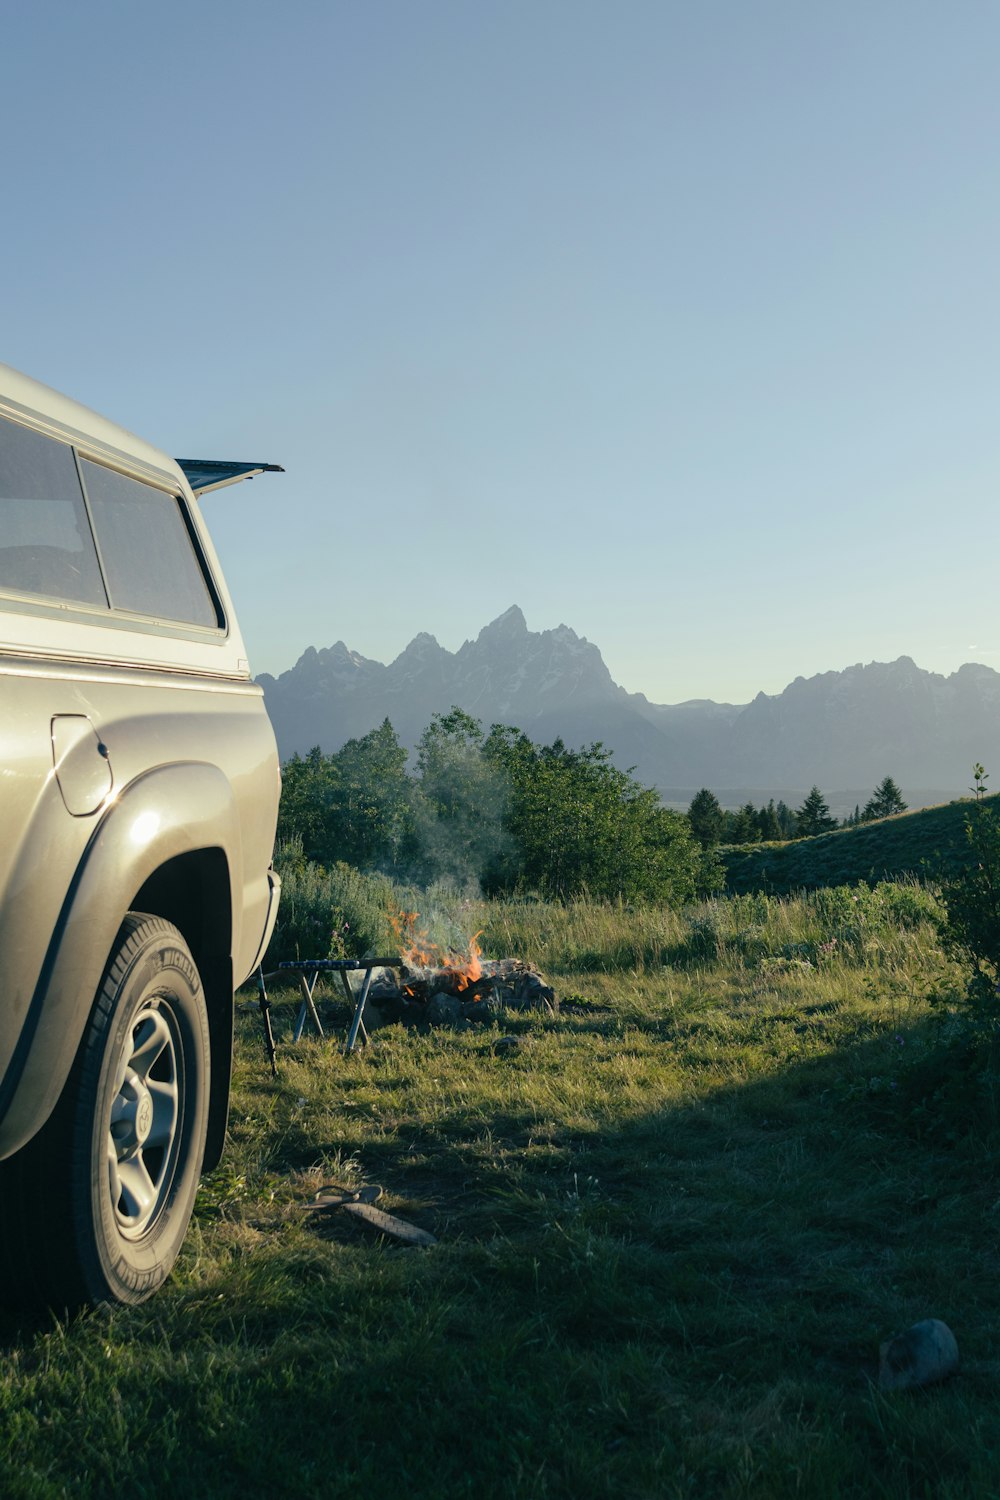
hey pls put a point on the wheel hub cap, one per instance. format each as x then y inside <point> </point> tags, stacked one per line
<point>143,1117</point>
<point>144,1128</point>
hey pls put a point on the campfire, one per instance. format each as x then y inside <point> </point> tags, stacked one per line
<point>435,984</point>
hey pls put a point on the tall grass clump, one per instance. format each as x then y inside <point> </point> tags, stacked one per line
<point>847,923</point>
<point>340,912</point>
<point>850,924</point>
<point>583,935</point>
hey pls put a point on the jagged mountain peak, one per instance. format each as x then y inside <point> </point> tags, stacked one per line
<point>422,646</point>
<point>338,658</point>
<point>835,729</point>
<point>511,625</point>
<point>508,673</point>
<point>974,671</point>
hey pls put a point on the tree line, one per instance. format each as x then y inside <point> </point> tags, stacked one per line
<point>713,824</point>
<point>491,808</point>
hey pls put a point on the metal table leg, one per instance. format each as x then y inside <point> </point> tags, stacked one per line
<point>265,1016</point>
<point>308,1006</point>
<point>357,1023</point>
<point>352,1001</point>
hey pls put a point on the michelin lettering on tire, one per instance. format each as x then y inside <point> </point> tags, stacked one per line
<point>144,1090</point>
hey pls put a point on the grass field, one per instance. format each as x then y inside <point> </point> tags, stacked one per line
<point>673,1224</point>
<point>931,843</point>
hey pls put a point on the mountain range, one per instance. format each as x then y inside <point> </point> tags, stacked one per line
<point>843,731</point>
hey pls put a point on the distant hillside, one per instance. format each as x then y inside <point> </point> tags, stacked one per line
<point>931,842</point>
<point>844,730</point>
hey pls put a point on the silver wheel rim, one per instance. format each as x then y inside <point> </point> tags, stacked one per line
<point>144,1128</point>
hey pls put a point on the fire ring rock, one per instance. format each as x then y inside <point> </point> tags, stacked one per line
<point>446,996</point>
<point>443,1009</point>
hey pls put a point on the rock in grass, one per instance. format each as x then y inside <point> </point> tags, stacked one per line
<point>505,1045</point>
<point>925,1353</point>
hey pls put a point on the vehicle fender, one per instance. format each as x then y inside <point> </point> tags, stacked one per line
<point>168,811</point>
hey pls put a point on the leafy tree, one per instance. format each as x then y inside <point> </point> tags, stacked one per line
<point>308,796</point>
<point>706,818</point>
<point>499,809</point>
<point>449,739</point>
<point>353,806</point>
<point>461,800</point>
<point>884,801</point>
<point>580,824</point>
<point>374,826</point>
<point>813,816</point>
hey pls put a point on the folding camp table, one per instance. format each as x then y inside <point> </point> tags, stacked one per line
<point>309,971</point>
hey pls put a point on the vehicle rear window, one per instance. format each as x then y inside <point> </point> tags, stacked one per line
<point>147,549</point>
<point>46,546</point>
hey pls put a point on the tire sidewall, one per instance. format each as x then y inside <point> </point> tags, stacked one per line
<point>157,967</point>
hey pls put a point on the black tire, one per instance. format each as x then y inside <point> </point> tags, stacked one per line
<point>104,1193</point>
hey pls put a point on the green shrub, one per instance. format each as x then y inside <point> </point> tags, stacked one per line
<point>332,913</point>
<point>857,923</point>
<point>972,898</point>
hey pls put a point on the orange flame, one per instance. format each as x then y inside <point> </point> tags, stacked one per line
<point>415,948</point>
<point>468,970</point>
<point>418,952</point>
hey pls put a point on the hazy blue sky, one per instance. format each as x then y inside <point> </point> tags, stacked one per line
<point>679,323</point>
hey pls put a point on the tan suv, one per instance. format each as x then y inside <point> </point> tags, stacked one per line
<point>139,788</point>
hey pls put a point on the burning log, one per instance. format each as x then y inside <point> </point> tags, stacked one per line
<point>447,986</point>
<point>439,987</point>
<point>501,983</point>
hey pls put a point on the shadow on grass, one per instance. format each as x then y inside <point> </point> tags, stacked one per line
<point>682,1296</point>
<point>829,1156</point>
